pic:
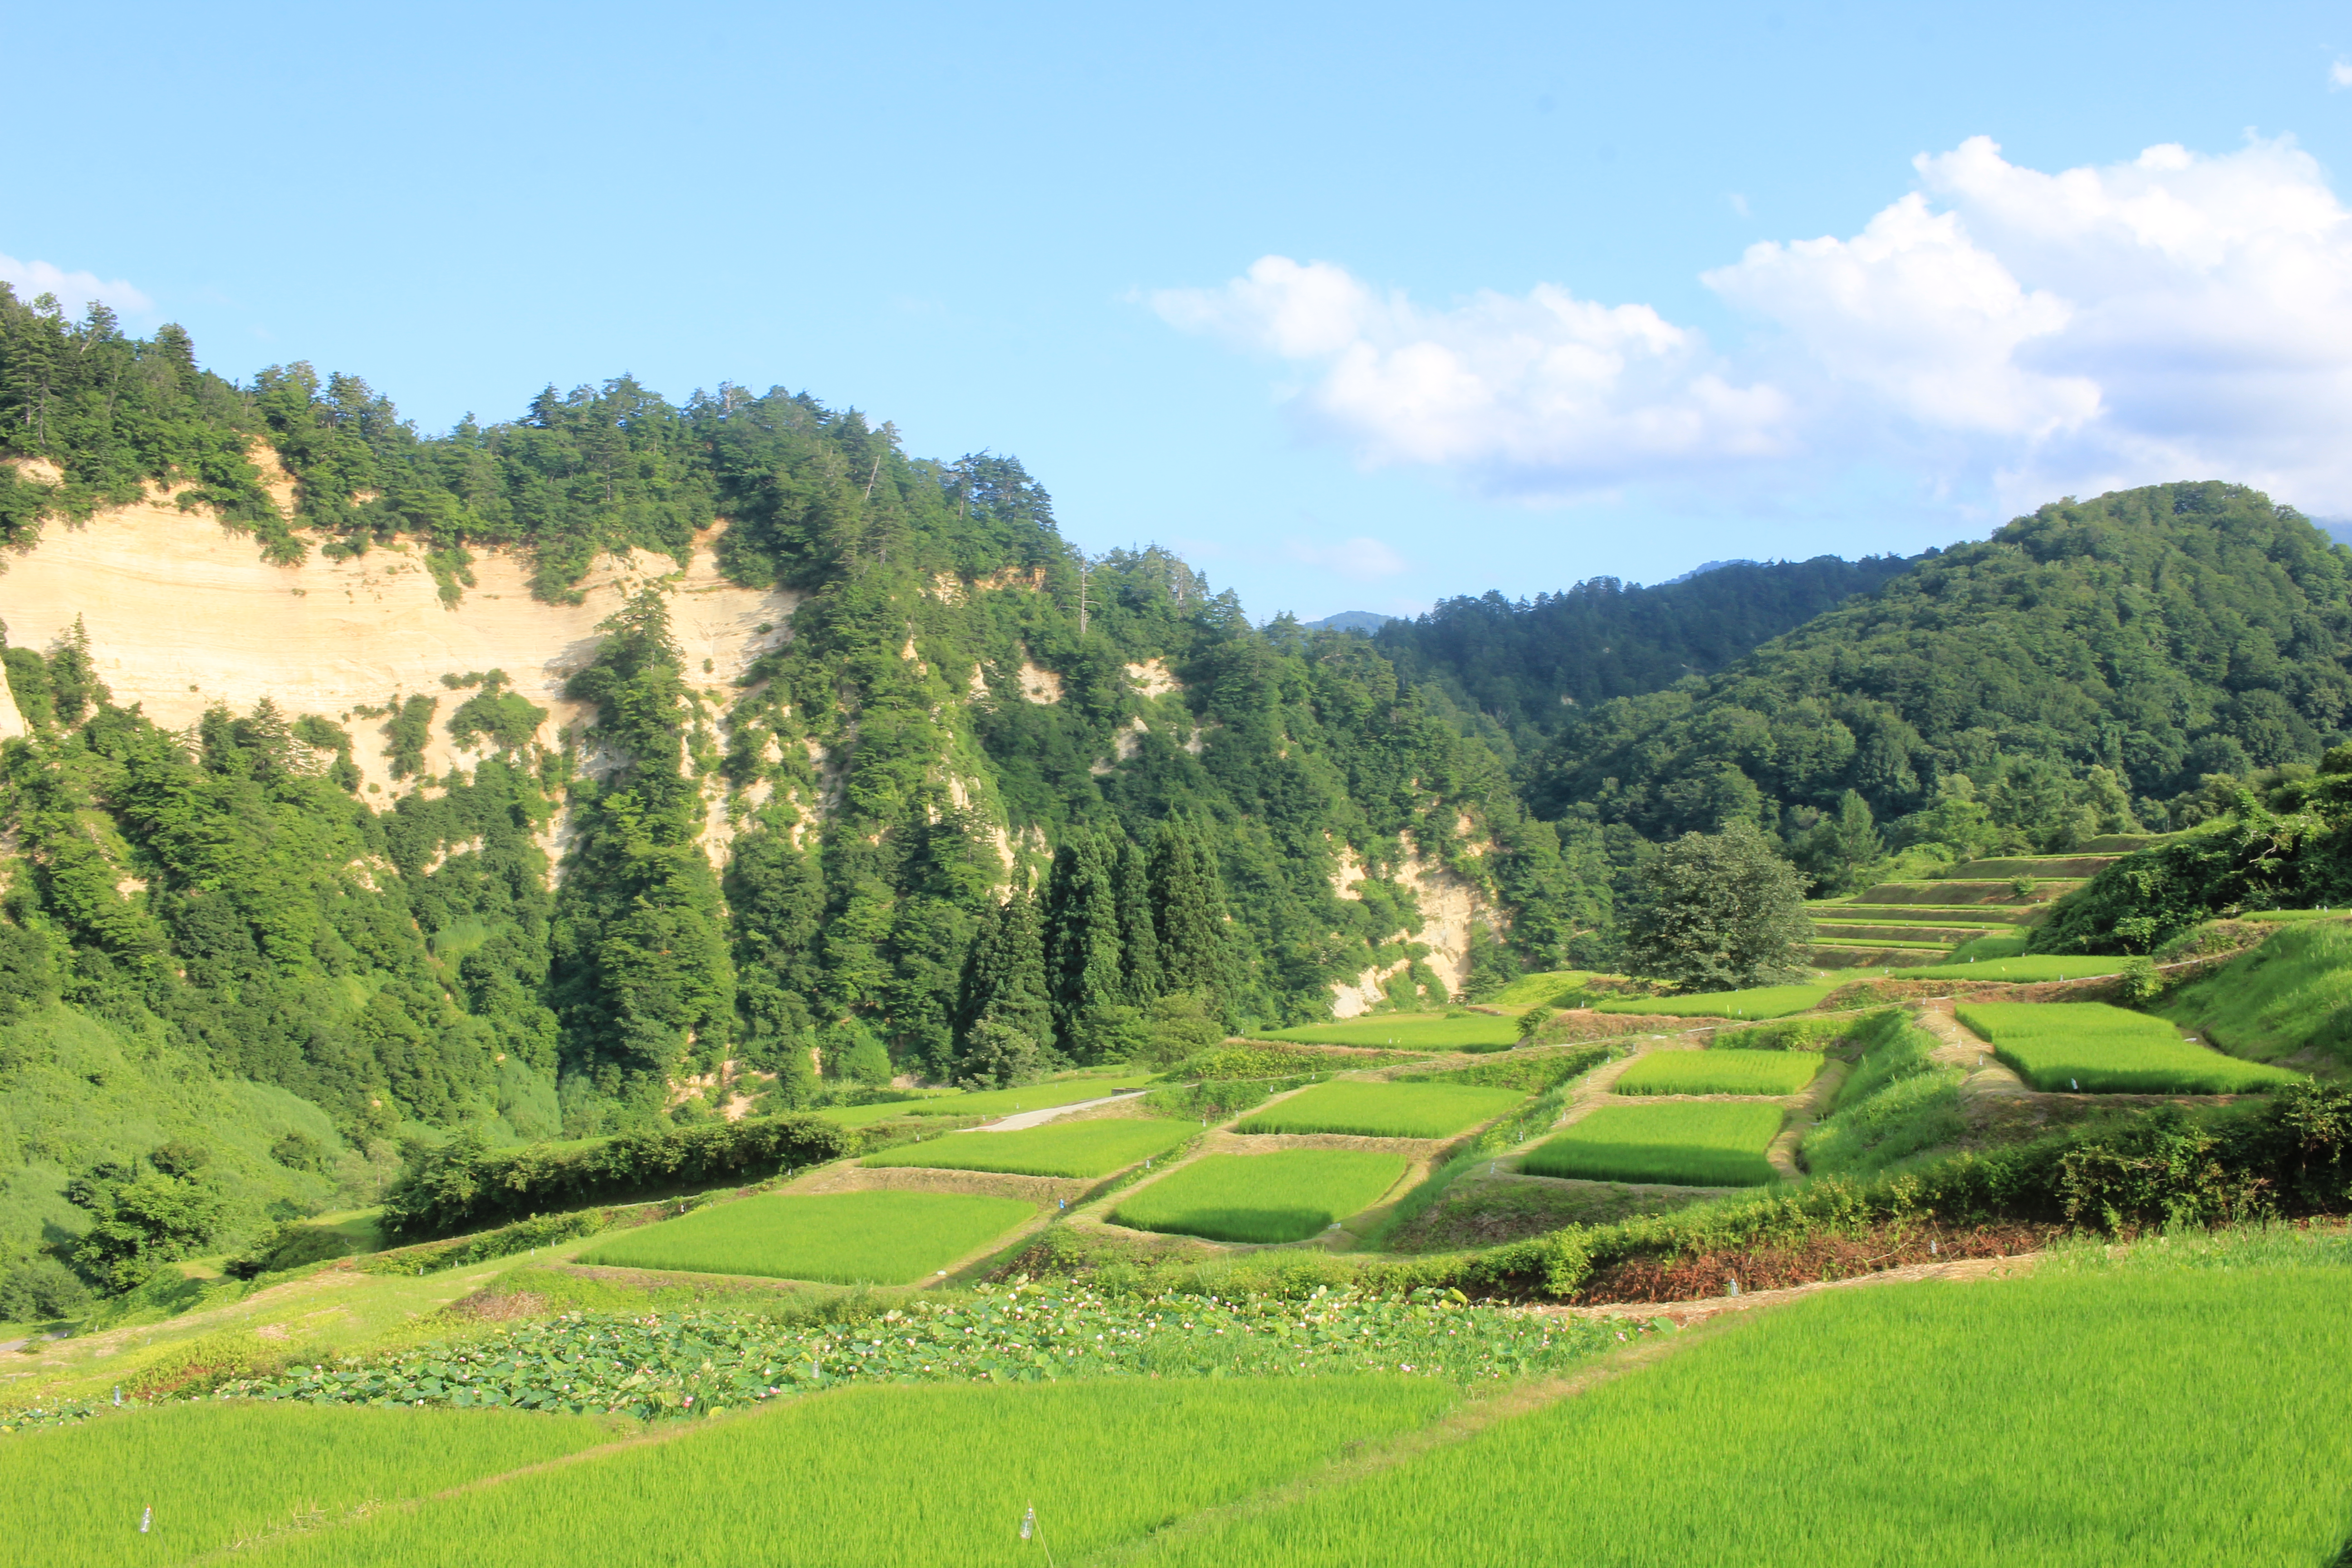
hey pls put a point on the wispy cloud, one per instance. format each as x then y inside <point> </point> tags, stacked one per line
<point>2339,75</point>
<point>2177,315</point>
<point>1360,560</point>
<point>75,290</point>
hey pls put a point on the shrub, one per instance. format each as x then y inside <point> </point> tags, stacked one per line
<point>40,1290</point>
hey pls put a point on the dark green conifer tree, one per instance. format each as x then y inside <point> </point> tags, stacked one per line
<point>1082,940</point>
<point>1004,979</point>
<point>1189,903</point>
<point>1138,941</point>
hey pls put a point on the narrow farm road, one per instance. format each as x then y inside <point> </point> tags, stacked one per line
<point>1019,1120</point>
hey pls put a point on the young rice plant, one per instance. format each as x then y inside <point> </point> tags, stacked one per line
<point>2097,1049</point>
<point>1287,1195</point>
<point>882,1238</point>
<point>1724,1071</point>
<point>1384,1110</point>
<point>1704,1144</point>
<point>1083,1149</point>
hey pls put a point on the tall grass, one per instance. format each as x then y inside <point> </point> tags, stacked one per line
<point>1757,1002</point>
<point>1697,1144</point>
<point>2291,993</point>
<point>885,1237</point>
<point>219,1474</point>
<point>2099,1049</point>
<point>888,1478</point>
<point>1058,1149</point>
<point>1287,1195</point>
<point>1898,1102</point>
<point>2076,1420</point>
<point>1720,1071</point>
<point>1384,1110</point>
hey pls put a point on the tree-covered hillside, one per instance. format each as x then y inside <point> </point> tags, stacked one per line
<point>955,824</point>
<point>1532,667</point>
<point>2083,670</point>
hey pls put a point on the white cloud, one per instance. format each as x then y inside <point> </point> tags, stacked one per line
<point>75,290</point>
<point>2175,316</point>
<point>2339,75</point>
<point>1360,560</point>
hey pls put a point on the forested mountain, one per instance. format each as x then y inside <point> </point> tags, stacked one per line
<point>985,796</point>
<point>1533,667</point>
<point>2085,669</point>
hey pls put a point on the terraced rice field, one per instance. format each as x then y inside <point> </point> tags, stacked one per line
<point>1384,1110</point>
<point>891,1477</point>
<point>1712,1144</point>
<point>1083,1149</point>
<point>1726,1071</point>
<point>1758,1002</point>
<point>1287,1195</point>
<point>1408,1031</point>
<point>885,1237</point>
<point>1983,1425</point>
<point>1029,1097</point>
<point>214,1474</point>
<point>2025,968</point>
<point>2092,1049</point>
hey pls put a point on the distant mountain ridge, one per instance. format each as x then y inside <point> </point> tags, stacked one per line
<point>1350,621</point>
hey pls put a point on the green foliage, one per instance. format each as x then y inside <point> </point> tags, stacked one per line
<point>1287,1195</point>
<point>462,1182</point>
<point>1722,1070</point>
<point>40,1290</point>
<point>1531,667</point>
<point>1256,1059</point>
<point>1762,1002</point>
<point>1700,1144</point>
<point>1718,912</point>
<point>2097,1049</point>
<point>140,1221</point>
<point>2080,667</point>
<point>1897,1103</point>
<point>1424,1031</point>
<point>886,1237</point>
<point>406,735</point>
<point>1079,1149</point>
<point>1385,1109</point>
<point>1534,1072</point>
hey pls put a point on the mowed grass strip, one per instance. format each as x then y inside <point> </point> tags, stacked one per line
<point>2065,1421</point>
<point>1287,1195</point>
<point>1726,1071</point>
<point>1384,1110</point>
<point>1408,1031</point>
<point>1759,1002</point>
<point>2097,1049</point>
<point>845,1239</point>
<point>885,1477</point>
<point>217,1473</point>
<point>1706,1144</point>
<point>1060,1149</point>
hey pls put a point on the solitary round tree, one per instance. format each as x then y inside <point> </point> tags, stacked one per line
<point>1717,911</point>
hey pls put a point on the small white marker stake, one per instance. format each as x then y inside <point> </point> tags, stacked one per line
<point>146,1518</point>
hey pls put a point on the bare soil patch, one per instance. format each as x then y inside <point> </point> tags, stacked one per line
<point>1696,1276</point>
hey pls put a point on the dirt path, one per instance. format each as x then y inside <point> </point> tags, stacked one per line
<point>1015,1124</point>
<point>1989,1083</point>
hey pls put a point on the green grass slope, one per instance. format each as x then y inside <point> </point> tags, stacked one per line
<point>2291,994</point>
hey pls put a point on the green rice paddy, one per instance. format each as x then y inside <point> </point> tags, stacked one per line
<point>1757,1002</point>
<point>1029,1097</point>
<point>1384,1110</point>
<point>892,1477</point>
<point>2024,969</point>
<point>1710,1143</point>
<point>214,1474</point>
<point>1287,1195</point>
<point>2194,1415</point>
<point>1408,1031</point>
<point>1095,1148</point>
<point>1725,1071</point>
<point>2092,1049</point>
<point>882,1238</point>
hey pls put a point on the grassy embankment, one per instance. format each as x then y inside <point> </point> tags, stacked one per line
<point>1755,1002</point>
<point>1408,1031</point>
<point>2290,997</point>
<point>1898,1102</point>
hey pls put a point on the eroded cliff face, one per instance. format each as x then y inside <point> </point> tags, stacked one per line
<point>183,615</point>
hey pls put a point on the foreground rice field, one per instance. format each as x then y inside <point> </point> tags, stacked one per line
<point>1761,1002</point>
<point>1726,1071</point>
<point>1719,1143</point>
<point>1408,1031</point>
<point>884,1238</point>
<point>2072,1420</point>
<point>902,1475</point>
<point>1384,1110</point>
<point>1287,1195</point>
<point>215,1474</point>
<point>1058,1149</point>
<point>2099,1049</point>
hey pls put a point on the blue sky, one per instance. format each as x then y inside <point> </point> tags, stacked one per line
<point>1360,306</point>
